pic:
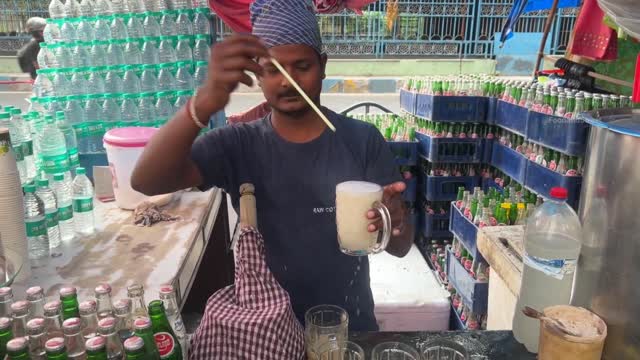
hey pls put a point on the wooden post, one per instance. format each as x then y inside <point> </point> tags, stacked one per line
<point>545,34</point>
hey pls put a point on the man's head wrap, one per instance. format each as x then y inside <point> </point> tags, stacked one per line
<point>286,22</point>
<point>36,24</point>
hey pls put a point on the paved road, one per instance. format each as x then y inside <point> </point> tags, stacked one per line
<point>243,101</point>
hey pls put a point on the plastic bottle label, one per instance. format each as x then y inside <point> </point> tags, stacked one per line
<point>65,213</point>
<point>55,164</point>
<point>81,130</point>
<point>19,151</point>
<point>36,227</point>
<point>557,269</point>
<point>95,128</point>
<point>27,148</point>
<point>52,218</point>
<point>74,160</point>
<point>166,344</point>
<point>82,205</point>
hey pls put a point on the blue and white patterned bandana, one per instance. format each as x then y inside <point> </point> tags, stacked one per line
<point>286,22</point>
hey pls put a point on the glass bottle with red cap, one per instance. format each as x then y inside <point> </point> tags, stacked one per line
<point>89,318</point>
<point>35,295</point>
<point>56,349</point>
<point>18,349</point>
<point>37,338</point>
<point>6,299</point>
<point>69,298</point>
<point>124,327</point>
<point>143,330</point>
<point>552,243</point>
<point>73,338</point>
<point>103,299</point>
<point>107,328</point>
<point>53,319</point>
<point>20,315</point>
<point>168,297</point>
<point>6,334</point>
<point>96,348</point>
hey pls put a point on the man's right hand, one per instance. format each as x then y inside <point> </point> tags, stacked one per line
<point>229,63</point>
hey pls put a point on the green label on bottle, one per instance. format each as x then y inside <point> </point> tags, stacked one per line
<point>55,164</point>
<point>81,130</point>
<point>19,151</point>
<point>36,227</point>
<point>82,205</point>
<point>52,218</point>
<point>96,128</point>
<point>27,148</point>
<point>74,160</point>
<point>65,213</point>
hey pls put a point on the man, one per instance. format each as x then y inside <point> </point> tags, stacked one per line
<point>292,158</point>
<point>28,54</point>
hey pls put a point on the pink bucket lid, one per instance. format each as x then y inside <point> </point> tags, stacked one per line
<point>129,137</point>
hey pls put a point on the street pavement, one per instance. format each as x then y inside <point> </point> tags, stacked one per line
<point>244,101</point>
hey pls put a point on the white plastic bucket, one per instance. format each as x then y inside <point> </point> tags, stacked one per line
<point>124,146</point>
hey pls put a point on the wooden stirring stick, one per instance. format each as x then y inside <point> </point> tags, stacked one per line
<point>304,95</point>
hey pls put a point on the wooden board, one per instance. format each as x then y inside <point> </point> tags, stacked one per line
<point>503,248</point>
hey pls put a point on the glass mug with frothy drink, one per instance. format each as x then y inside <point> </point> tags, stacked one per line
<point>353,200</point>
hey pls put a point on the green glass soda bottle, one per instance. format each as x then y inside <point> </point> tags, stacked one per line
<point>143,330</point>
<point>166,340</point>
<point>597,102</point>
<point>18,349</point>
<point>588,100</point>
<point>96,348</point>
<point>70,306</point>
<point>5,335</point>
<point>56,349</point>
<point>134,348</point>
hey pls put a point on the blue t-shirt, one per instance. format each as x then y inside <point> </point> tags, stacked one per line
<point>295,196</point>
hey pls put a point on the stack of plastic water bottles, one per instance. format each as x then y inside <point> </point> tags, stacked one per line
<point>118,63</point>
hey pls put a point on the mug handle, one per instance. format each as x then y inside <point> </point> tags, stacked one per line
<point>385,235</point>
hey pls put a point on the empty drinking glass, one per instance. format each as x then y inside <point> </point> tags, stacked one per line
<point>324,323</point>
<point>340,350</point>
<point>394,351</point>
<point>443,350</point>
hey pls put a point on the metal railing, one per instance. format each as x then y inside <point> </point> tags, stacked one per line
<point>424,28</point>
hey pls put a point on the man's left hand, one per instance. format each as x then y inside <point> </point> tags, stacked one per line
<point>392,199</point>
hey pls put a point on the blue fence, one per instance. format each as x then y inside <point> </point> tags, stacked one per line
<point>424,28</point>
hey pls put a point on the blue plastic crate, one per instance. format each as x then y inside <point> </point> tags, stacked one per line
<point>540,180</point>
<point>509,162</point>
<point>408,101</point>
<point>411,193</point>
<point>450,150</point>
<point>88,161</point>
<point>405,152</point>
<point>487,148</point>
<point>488,183</point>
<point>492,107</point>
<point>464,230</point>
<point>445,188</point>
<point>452,108</point>
<point>512,117</point>
<point>434,226</point>
<point>455,322</point>
<point>568,136</point>
<point>474,294</point>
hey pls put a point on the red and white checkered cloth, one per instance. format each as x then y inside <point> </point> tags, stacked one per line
<point>251,319</point>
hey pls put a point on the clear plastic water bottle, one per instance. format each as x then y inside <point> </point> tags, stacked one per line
<point>135,28</point>
<point>166,80</point>
<point>82,54</point>
<point>87,8</point>
<point>68,31</point>
<point>164,108</point>
<point>150,51</point>
<point>74,111</point>
<point>201,21</point>
<point>64,196</point>
<point>184,26</point>
<point>183,48</point>
<point>129,110</point>
<point>98,53</point>
<point>168,23</point>
<point>146,108</point>
<point>24,138</point>
<point>51,212</point>
<point>103,7</point>
<point>201,48</point>
<point>184,79</point>
<point>149,78</point>
<point>53,151</point>
<point>51,32</point>
<point>132,54</point>
<point>182,97</point>
<point>78,82</point>
<point>43,57</point>
<point>166,50</point>
<point>56,9</point>
<point>151,25</point>
<point>130,80</point>
<point>83,203</point>
<point>64,54</point>
<point>136,6</point>
<point>71,9</point>
<point>118,27</point>
<point>113,80</point>
<point>43,86</point>
<point>155,5</point>
<point>200,74</point>
<point>110,111</point>
<point>552,243</point>
<point>102,28</point>
<point>87,141</point>
<point>70,139</point>
<point>85,30</point>
<point>200,3</point>
<point>119,7</point>
<point>5,122</point>
<point>115,52</point>
<point>60,83</point>
<point>35,221</point>
<point>95,82</point>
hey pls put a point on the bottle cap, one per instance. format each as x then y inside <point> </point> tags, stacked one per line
<point>43,183</point>
<point>29,188</point>
<point>36,292</point>
<point>96,343</point>
<point>17,345</point>
<point>88,307</point>
<point>20,307</point>
<point>5,323</point>
<point>80,171</point>
<point>68,290</point>
<point>122,306</point>
<point>5,115</point>
<point>106,325</point>
<point>71,326</point>
<point>142,323</point>
<point>6,293</point>
<point>102,289</point>
<point>54,345</point>
<point>35,326</point>
<point>559,193</point>
<point>52,307</point>
<point>166,289</point>
<point>133,343</point>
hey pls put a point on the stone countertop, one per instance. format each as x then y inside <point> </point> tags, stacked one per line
<point>495,345</point>
<point>121,253</point>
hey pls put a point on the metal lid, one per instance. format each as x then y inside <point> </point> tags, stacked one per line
<point>133,343</point>
<point>122,306</point>
<point>88,307</point>
<point>106,325</point>
<point>166,290</point>
<point>623,121</point>
<point>17,344</point>
<point>68,291</point>
<point>35,326</point>
<point>95,343</point>
<point>71,326</point>
<point>6,293</point>
<point>135,290</point>
<point>142,323</point>
<point>102,289</point>
<point>54,344</point>
<point>20,307</point>
<point>5,323</point>
<point>52,307</point>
